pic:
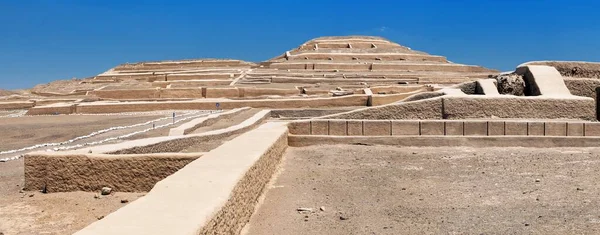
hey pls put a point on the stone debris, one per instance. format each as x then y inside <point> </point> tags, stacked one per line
<point>322,208</point>
<point>304,209</point>
<point>106,191</point>
<point>342,93</point>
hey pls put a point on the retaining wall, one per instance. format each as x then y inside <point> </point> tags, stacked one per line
<point>106,107</point>
<point>444,128</point>
<point>519,107</point>
<point>16,105</point>
<point>439,141</point>
<point>365,56</point>
<point>585,87</point>
<point>479,106</point>
<point>60,172</point>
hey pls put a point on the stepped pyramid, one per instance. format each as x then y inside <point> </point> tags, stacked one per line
<point>332,59</point>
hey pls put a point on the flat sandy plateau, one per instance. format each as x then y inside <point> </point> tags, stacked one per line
<point>390,190</point>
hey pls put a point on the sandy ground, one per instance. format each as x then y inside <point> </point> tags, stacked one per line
<point>30,130</point>
<point>56,213</point>
<point>389,190</point>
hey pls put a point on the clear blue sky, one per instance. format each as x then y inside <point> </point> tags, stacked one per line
<point>41,41</point>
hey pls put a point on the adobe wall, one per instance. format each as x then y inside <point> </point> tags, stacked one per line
<point>226,92</point>
<point>177,65</point>
<point>422,109</point>
<point>343,80</point>
<point>344,101</point>
<point>59,172</point>
<point>519,107</point>
<point>53,109</point>
<point>181,93</point>
<point>429,67</point>
<point>388,99</point>
<point>365,56</point>
<point>179,77</point>
<point>245,165</point>
<point>575,69</point>
<point>439,141</point>
<point>191,83</point>
<point>16,105</point>
<point>479,106</point>
<point>488,127</point>
<point>254,92</point>
<point>126,94</point>
<point>139,77</point>
<point>585,87</point>
<point>395,89</point>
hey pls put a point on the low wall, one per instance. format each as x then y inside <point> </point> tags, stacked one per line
<point>52,109</point>
<point>126,94</point>
<point>227,92</point>
<point>421,109</point>
<point>343,80</point>
<point>254,92</point>
<point>179,77</point>
<point>480,106</point>
<point>365,56</point>
<point>377,100</point>
<point>439,141</point>
<point>192,83</point>
<point>181,93</point>
<point>396,89</point>
<point>107,107</point>
<point>519,107</point>
<point>444,128</point>
<point>16,105</point>
<point>585,87</point>
<point>236,174</point>
<point>63,172</point>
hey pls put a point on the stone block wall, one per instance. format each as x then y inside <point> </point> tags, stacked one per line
<point>444,128</point>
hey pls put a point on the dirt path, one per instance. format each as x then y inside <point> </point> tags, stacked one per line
<point>222,123</point>
<point>389,190</point>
